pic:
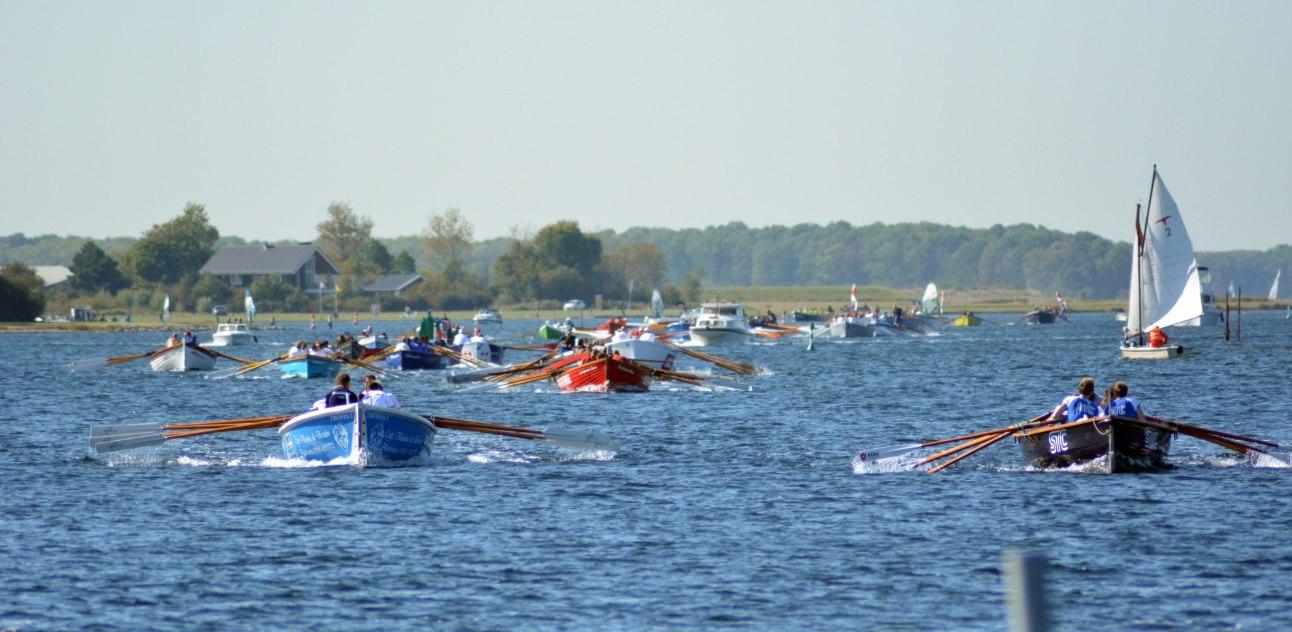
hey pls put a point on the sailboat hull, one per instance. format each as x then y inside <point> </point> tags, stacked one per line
<point>1154,353</point>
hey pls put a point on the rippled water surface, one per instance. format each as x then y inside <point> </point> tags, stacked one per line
<point>720,508</point>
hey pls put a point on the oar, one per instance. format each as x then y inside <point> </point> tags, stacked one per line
<point>1222,439</point>
<point>981,446</point>
<point>902,449</point>
<point>99,362</point>
<point>1220,433</point>
<point>111,438</point>
<point>556,436</point>
<point>226,356</point>
<point>730,365</point>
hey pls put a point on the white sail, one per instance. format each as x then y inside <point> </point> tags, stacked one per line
<point>1274,287</point>
<point>165,313</point>
<point>249,305</point>
<point>1164,286</point>
<point>656,303</point>
<point>930,301</point>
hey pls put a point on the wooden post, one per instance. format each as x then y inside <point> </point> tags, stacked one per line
<point>1226,316</point>
<point>1239,333</point>
<point>1024,574</point>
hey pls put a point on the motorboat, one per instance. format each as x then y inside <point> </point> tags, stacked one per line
<point>232,334</point>
<point>721,324</point>
<point>488,316</point>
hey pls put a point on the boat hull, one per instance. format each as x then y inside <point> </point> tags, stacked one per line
<point>647,352</point>
<point>409,360</point>
<point>601,375</point>
<point>1039,317</point>
<point>1119,445</point>
<point>309,367</point>
<point>965,320</point>
<point>358,434</point>
<point>180,359</point>
<point>1154,353</point>
<point>550,332</point>
<point>486,351</point>
<point>231,339</point>
<point>714,336</point>
<point>844,329</point>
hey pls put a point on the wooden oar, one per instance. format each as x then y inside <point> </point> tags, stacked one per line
<point>226,356</point>
<point>981,446</point>
<point>1220,433</point>
<point>112,438</point>
<point>730,365</point>
<point>100,362</point>
<point>902,449</point>
<point>562,437</point>
<point>1223,439</point>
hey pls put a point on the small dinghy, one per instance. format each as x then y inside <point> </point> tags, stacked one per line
<point>183,358</point>
<point>309,366</point>
<point>358,434</point>
<point>414,360</point>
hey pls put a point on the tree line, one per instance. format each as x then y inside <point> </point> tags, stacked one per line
<point>560,261</point>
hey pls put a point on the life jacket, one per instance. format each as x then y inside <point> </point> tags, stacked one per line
<point>1124,407</point>
<point>1081,408</point>
<point>340,397</point>
<point>1157,337</point>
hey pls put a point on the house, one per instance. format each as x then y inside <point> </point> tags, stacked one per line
<point>390,284</point>
<point>302,266</point>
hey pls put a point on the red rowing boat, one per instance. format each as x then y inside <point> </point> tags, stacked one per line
<point>599,375</point>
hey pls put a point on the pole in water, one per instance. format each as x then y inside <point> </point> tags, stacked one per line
<point>1024,575</point>
<point>811,337</point>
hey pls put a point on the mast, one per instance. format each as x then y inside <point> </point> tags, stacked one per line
<point>1139,269</point>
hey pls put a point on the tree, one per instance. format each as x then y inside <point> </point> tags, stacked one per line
<point>375,254</point>
<point>344,233</point>
<point>516,272</point>
<point>564,244</point>
<point>209,287</point>
<point>170,251</point>
<point>93,270</point>
<point>403,263</point>
<point>642,263</point>
<point>22,296</point>
<point>448,238</point>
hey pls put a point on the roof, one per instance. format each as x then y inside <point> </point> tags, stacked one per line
<point>52,275</point>
<point>267,259</point>
<point>391,283</point>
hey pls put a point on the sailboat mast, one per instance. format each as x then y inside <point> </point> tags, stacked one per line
<point>1139,281</point>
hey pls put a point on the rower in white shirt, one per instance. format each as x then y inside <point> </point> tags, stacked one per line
<point>375,395</point>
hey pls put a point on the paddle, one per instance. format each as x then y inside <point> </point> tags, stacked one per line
<point>111,438</point>
<point>227,356</point>
<point>894,451</point>
<point>247,368</point>
<point>1223,439</point>
<point>561,437</point>
<point>100,362</point>
<point>984,444</point>
<point>730,365</point>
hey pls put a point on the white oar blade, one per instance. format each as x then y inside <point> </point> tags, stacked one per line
<point>128,442</point>
<point>1271,459</point>
<point>120,429</point>
<point>87,363</point>
<point>879,454</point>
<point>581,440</point>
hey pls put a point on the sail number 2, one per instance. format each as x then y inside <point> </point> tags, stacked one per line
<point>1058,442</point>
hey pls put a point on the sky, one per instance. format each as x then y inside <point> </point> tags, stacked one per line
<point>113,115</point>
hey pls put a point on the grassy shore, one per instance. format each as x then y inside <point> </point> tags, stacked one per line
<point>758,299</point>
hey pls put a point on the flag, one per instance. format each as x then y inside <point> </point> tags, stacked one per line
<point>1139,234</point>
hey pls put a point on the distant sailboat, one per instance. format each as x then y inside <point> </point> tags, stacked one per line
<point>249,305</point>
<point>1164,285</point>
<point>165,313</point>
<point>1274,287</point>
<point>931,303</point>
<point>656,304</point>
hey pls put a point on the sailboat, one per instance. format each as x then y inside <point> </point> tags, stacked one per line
<point>1274,287</point>
<point>1164,285</point>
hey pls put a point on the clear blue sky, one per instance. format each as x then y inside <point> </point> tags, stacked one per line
<point>114,114</point>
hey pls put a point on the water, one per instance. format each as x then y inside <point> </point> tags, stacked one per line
<point>720,509</point>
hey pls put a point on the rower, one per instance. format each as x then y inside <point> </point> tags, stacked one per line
<point>189,339</point>
<point>621,334</point>
<point>375,395</point>
<point>460,338</point>
<point>299,351</point>
<point>1078,406</point>
<point>1116,402</point>
<point>341,394</point>
<point>646,335</point>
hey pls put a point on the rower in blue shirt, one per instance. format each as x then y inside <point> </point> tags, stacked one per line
<point>1116,402</point>
<point>1078,406</point>
<point>341,395</point>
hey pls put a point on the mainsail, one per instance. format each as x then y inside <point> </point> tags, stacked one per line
<point>1274,287</point>
<point>656,303</point>
<point>165,313</point>
<point>1164,286</point>
<point>249,305</point>
<point>930,302</point>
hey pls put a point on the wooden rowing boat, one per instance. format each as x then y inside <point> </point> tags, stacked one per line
<point>1118,444</point>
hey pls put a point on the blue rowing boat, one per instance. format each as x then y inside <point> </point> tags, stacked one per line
<point>411,360</point>
<point>309,366</point>
<point>358,434</point>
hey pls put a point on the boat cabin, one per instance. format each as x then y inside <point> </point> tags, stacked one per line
<point>732,310</point>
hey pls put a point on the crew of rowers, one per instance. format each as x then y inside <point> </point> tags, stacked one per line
<point>374,394</point>
<point>571,342</point>
<point>1085,404</point>
<point>188,340</point>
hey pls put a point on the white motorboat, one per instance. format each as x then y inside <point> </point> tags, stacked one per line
<point>1164,285</point>
<point>721,324</point>
<point>230,334</point>
<point>490,316</point>
<point>182,358</point>
<point>647,352</point>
